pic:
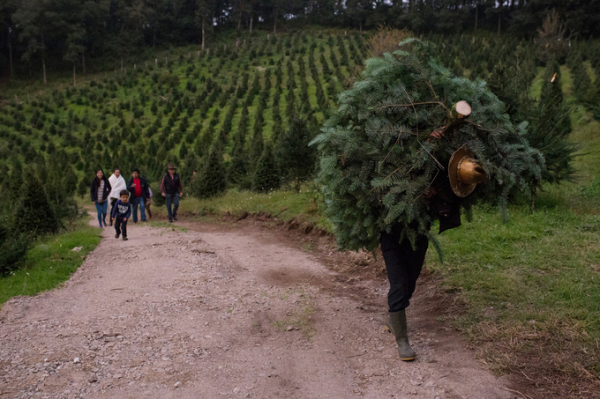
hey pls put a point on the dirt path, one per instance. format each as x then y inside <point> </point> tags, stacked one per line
<point>216,312</point>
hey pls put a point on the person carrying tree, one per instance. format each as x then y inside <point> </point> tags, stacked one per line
<point>403,260</point>
<point>171,189</point>
<point>404,150</point>
<point>121,213</point>
<point>99,192</point>
<point>138,187</point>
<point>117,182</point>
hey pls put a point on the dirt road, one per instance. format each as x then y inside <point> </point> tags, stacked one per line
<point>216,312</point>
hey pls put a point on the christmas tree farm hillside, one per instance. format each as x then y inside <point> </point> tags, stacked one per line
<point>379,159</point>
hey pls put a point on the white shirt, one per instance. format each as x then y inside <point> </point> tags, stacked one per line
<point>117,184</point>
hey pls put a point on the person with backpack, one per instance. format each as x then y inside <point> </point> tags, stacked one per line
<point>138,187</point>
<point>100,191</point>
<point>171,189</point>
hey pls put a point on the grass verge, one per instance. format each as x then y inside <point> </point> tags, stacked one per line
<point>283,204</point>
<point>50,262</point>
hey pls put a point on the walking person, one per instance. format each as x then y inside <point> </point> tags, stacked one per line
<point>99,192</point>
<point>117,182</point>
<point>138,187</point>
<point>171,189</point>
<point>149,202</point>
<point>121,212</point>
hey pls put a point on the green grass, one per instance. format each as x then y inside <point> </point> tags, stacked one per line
<point>532,285</point>
<point>50,262</point>
<point>282,204</point>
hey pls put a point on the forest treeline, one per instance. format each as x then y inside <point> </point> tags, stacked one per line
<point>70,31</point>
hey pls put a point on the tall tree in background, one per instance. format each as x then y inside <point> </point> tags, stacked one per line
<point>203,17</point>
<point>34,19</point>
<point>357,12</point>
<point>75,47</point>
<point>128,21</point>
<point>7,26</point>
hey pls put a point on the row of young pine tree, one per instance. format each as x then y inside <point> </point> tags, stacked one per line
<point>123,136</point>
<point>242,116</point>
<point>172,112</point>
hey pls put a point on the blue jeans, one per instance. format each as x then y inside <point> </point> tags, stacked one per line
<point>138,201</point>
<point>101,209</point>
<point>172,199</point>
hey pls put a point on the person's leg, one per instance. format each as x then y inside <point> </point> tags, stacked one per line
<point>176,202</point>
<point>142,209</point>
<point>134,205</point>
<point>113,201</point>
<point>104,208</point>
<point>416,258</point>
<point>117,227</point>
<point>168,201</point>
<point>124,228</point>
<point>403,265</point>
<point>99,212</point>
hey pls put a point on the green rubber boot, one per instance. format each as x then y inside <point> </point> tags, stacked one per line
<point>397,326</point>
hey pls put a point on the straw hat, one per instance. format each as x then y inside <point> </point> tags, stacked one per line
<point>465,172</point>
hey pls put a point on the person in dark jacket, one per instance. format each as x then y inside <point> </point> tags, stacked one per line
<point>120,213</point>
<point>138,187</point>
<point>99,192</point>
<point>404,262</point>
<point>171,189</point>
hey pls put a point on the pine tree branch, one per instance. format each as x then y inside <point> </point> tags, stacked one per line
<point>409,105</point>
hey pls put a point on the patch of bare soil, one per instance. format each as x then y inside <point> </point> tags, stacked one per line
<point>229,311</point>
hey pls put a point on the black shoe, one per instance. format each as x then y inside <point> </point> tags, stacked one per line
<point>125,238</point>
<point>117,235</point>
<point>170,220</point>
<point>174,217</point>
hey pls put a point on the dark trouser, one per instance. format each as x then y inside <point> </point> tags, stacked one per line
<point>141,203</point>
<point>121,224</point>
<point>113,201</point>
<point>403,266</point>
<point>172,199</point>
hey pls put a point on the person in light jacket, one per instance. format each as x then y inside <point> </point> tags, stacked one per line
<point>118,184</point>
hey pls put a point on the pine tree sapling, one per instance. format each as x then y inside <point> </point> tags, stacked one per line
<point>266,176</point>
<point>34,213</point>
<point>212,180</point>
<point>295,158</point>
<point>379,157</point>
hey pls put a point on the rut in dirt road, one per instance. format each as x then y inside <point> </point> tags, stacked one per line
<point>217,313</point>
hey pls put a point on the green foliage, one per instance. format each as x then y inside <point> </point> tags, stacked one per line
<point>549,129</point>
<point>12,249</point>
<point>238,169</point>
<point>212,179</point>
<point>295,158</point>
<point>39,270</point>
<point>83,187</point>
<point>378,159</point>
<point>266,175</point>
<point>34,214</point>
